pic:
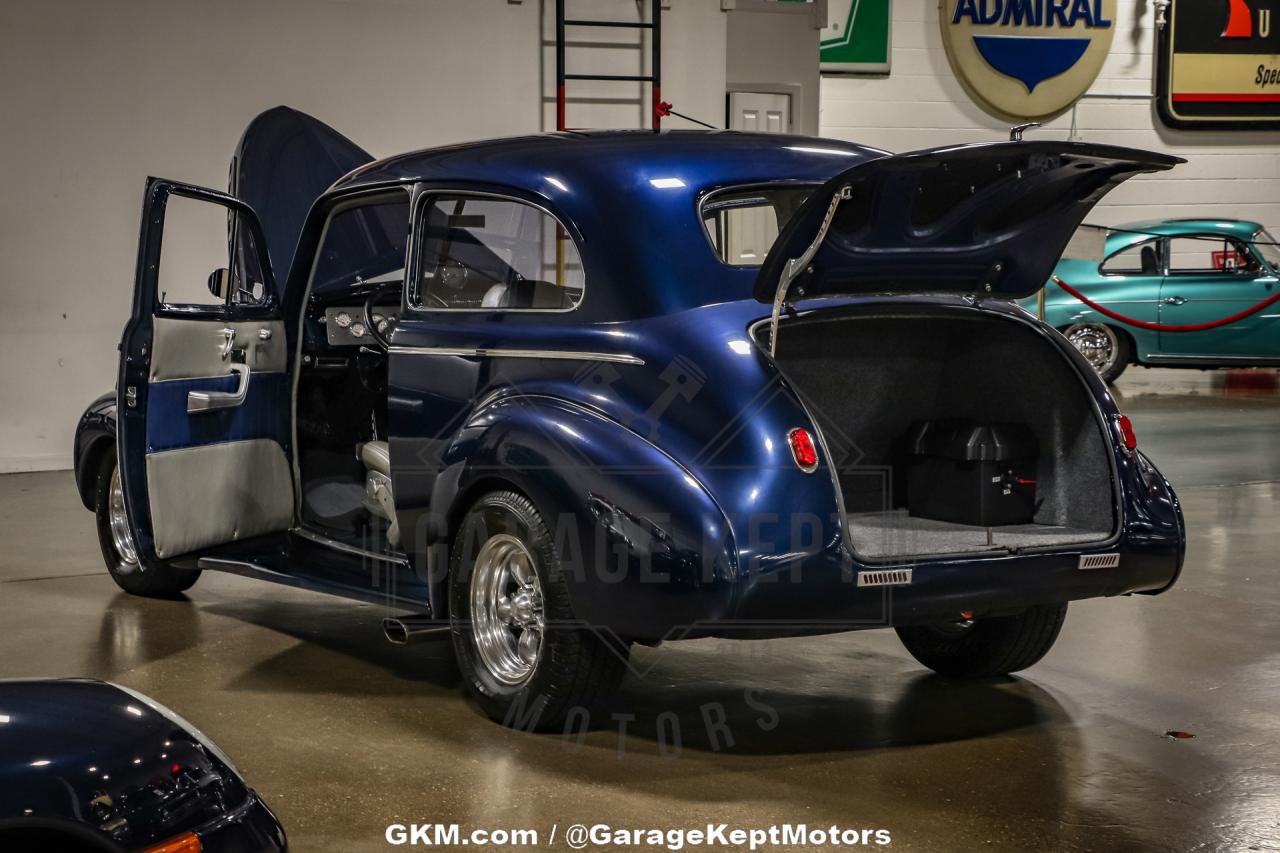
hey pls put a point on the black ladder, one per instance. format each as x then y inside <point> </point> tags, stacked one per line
<point>654,79</point>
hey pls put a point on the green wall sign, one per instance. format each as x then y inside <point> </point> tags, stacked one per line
<point>856,39</point>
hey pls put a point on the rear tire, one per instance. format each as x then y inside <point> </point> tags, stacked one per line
<point>525,657</point>
<point>986,647</point>
<point>131,572</point>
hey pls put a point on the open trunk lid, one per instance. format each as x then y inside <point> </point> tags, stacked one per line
<point>286,160</point>
<point>988,218</point>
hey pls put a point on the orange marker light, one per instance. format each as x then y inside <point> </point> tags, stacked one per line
<point>186,843</point>
<point>802,450</point>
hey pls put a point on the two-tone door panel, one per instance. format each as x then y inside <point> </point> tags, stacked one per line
<point>204,390</point>
<point>1211,277</point>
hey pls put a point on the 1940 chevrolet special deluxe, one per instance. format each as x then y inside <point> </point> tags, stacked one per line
<point>560,394</point>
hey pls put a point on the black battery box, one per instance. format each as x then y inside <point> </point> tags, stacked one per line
<point>970,472</point>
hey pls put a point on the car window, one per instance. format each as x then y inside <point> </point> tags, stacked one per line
<point>1209,255</point>
<point>742,225</point>
<point>486,253</point>
<point>1266,246</point>
<point>201,240</point>
<point>1139,259</point>
<point>363,243</point>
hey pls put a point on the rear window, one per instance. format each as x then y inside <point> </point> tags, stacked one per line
<point>742,224</point>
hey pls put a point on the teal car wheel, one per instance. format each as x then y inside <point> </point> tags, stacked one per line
<point>1108,350</point>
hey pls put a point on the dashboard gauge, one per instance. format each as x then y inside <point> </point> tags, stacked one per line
<point>343,319</point>
<point>382,327</point>
<point>357,329</point>
<point>379,321</point>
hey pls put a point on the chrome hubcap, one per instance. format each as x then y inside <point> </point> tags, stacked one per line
<point>1098,344</point>
<point>506,609</point>
<point>121,538</point>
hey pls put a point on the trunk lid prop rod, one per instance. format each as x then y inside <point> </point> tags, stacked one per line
<point>796,266</point>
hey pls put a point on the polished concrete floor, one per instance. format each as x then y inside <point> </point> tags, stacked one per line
<point>344,734</point>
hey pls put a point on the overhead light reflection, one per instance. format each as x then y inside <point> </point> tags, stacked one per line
<point>666,183</point>
<point>807,149</point>
<point>41,762</point>
<point>557,183</point>
<point>137,712</point>
<point>740,347</point>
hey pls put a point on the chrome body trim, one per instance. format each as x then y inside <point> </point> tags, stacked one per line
<point>796,266</point>
<point>321,539</point>
<point>503,352</point>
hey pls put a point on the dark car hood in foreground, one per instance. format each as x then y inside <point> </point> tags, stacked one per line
<point>985,218</point>
<point>85,752</point>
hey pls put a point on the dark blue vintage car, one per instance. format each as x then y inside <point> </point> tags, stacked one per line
<point>91,767</point>
<point>560,394</point>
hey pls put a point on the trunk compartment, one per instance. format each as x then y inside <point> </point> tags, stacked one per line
<point>871,378</point>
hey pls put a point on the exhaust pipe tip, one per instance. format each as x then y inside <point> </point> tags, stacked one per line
<point>395,632</point>
<point>406,630</point>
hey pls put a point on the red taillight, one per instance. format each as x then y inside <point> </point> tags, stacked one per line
<point>802,450</point>
<point>1126,433</point>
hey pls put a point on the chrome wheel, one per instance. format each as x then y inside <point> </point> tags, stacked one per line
<point>506,609</point>
<point>1096,343</point>
<point>121,537</point>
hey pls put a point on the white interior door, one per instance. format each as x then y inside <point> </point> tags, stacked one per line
<point>752,231</point>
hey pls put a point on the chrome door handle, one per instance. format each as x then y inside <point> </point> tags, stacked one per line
<point>208,401</point>
<point>1175,300</point>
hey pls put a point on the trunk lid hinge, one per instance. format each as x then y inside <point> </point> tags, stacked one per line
<point>799,265</point>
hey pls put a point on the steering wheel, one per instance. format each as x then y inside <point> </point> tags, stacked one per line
<point>381,334</point>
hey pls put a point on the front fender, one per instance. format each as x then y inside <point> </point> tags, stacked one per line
<point>95,432</point>
<point>646,549</point>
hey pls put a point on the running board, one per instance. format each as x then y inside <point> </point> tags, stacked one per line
<point>247,569</point>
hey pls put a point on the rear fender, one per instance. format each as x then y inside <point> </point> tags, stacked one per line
<point>645,547</point>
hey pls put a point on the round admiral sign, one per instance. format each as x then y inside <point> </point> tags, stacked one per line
<point>1027,59</point>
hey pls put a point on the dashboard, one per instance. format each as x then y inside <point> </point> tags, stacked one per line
<point>347,327</point>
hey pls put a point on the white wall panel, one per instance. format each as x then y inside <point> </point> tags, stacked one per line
<point>94,96</point>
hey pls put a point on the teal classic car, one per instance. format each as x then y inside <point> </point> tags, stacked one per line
<point>1173,272</point>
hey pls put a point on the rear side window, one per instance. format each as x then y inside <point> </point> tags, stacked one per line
<point>482,253</point>
<point>742,225</point>
<point>1139,259</point>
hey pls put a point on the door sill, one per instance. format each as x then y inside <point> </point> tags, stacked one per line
<point>321,539</point>
<point>247,569</point>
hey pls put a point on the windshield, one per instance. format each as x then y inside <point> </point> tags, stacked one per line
<point>742,224</point>
<point>1266,246</point>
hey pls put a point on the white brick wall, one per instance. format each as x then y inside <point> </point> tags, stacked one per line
<point>921,104</point>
